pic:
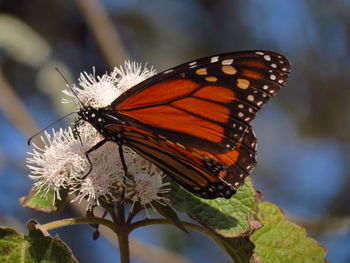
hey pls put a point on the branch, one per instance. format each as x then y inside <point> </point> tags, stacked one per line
<point>81,220</point>
<point>139,250</point>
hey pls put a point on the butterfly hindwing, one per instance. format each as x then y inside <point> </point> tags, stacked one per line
<point>200,172</point>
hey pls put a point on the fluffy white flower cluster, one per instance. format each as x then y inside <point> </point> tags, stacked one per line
<point>62,164</point>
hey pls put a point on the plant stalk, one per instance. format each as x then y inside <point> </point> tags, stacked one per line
<point>123,234</point>
<point>83,220</point>
<point>123,239</point>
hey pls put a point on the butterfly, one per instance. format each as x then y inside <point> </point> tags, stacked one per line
<point>193,121</point>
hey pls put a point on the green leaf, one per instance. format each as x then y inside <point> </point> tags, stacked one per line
<point>38,246</point>
<point>239,249</point>
<point>227,217</point>
<point>13,247</point>
<point>44,204</point>
<point>169,213</point>
<point>282,241</point>
<point>45,248</point>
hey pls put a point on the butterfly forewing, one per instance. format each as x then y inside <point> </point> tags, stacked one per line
<point>218,95</point>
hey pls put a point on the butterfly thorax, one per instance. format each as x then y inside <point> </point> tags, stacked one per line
<point>100,118</point>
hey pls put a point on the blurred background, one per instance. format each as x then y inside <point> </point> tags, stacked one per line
<point>303,133</point>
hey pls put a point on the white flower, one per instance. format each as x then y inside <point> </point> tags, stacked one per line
<point>78,163</point>
<point>131,74</point>
<point>106,177</point>
<point>49,166</point>
<point>146,184</point>
<point>101,91</point>
<point>94,91</point>
<point>61,159</point>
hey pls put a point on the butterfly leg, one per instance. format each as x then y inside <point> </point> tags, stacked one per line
<point>122,159</point>
<point>93,148</point>
<point>75,129</point>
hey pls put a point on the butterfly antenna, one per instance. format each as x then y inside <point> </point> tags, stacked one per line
<point>70,87</point>
<point>53,123</point>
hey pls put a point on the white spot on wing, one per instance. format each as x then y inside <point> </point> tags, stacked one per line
<point>227,62</point>
<point>168,71</point>
<point>250,97</point>
<point>267,57</point>
<point>214,59</point>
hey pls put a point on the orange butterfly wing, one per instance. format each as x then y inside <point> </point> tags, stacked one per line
<point>206,175</point>
<point>204,107</point>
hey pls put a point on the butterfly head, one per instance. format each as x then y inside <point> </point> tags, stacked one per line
<point>100,118</point>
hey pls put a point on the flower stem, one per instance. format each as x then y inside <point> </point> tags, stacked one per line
<point>123,234</point>
<point>82,220</point>
<point>123,239</point>
<point>137,208</point>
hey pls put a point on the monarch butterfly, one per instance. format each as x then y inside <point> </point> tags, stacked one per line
<point>193,120</point>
